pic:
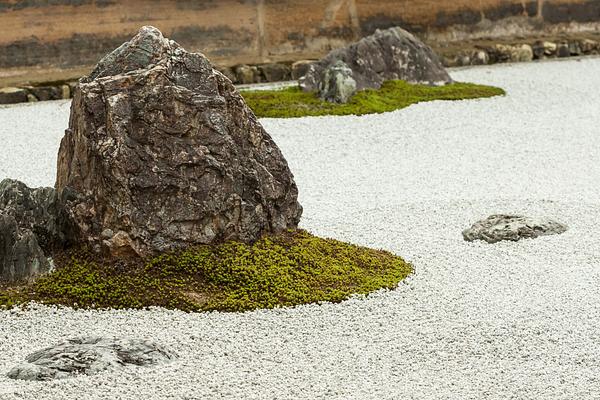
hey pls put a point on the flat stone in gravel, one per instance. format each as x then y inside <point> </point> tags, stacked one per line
<point>496,228</point>
<point>88,357</point>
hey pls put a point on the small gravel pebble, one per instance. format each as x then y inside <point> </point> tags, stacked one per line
<point>516,320</point>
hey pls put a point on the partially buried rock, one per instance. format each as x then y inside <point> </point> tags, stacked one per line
<point>386,55</point>
<point>88,357</point>
<point>30,227</point>
<point>164,153</point>
<point>512,227</point>
<point>337,85</point>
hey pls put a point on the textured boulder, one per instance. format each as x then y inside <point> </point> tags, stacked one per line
<point>386,55</point>
<point>88,357</point>
<point>163,153</point>
<point>30,228</point>
<point>337,85</point>
<point>512,227</point>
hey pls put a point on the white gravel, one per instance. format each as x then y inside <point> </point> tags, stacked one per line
<point>476,321</point>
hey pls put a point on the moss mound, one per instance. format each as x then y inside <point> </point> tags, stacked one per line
<point>393,95</point>
<point>291,269</point>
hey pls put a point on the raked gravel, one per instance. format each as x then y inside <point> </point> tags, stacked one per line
<point>476,321</point>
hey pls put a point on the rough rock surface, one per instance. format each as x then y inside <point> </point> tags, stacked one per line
<point>386,55</point>
<point>164,153</point>
<point>89,356</point>
<point>511,227</point>
<point>337,85</point>
<point>29,228</point>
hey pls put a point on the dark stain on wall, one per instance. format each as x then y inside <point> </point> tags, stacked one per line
<point>463,17</point>
<point>196,5</point>
<point>217,41</point>
<point>87,49</point>
<point>340,32</point>
<point>511,9</point>
<point>382,21</point>
<point>23,4</point>
<point>80,49</point>
<point>587,11</point>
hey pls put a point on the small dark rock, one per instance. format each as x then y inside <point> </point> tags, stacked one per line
<point>275,72</point>
<point>45,93</point>
<point>511,227</point>
<point>246,74</point>
<point>300,68</point>
<point>574,48</point>
<point>589,46</point>
<point>12,95</point>
<point>563,50</point>
<point>88,357</point>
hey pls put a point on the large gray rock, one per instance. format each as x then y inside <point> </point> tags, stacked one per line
<point>386,55</point>
<point>511,227</point>
<point>88,357</point>
<point>30,229</point>
<point>164,153</point>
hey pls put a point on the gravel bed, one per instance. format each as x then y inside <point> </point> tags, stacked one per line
<point>476,321</point>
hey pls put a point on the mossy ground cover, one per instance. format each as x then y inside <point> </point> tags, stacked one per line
<point>286,270</point>
<point>293,102</point>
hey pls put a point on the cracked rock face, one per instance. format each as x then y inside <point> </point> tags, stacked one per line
<point>512,227</point>
<point>29,228</point>
<point>386,55</point>
<point>164,153</point>
<point>88,357</point>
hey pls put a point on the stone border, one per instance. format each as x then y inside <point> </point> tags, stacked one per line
<point>472,54</point>
<point>520,52</point>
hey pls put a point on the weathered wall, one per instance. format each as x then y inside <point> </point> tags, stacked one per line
<point>69,33</point>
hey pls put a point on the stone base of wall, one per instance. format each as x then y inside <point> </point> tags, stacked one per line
<point>481,52</point>
<point>455,54</point>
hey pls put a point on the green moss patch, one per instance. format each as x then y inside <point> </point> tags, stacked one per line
<point>393,95</point>
<point>287,270</point>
